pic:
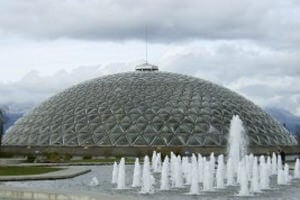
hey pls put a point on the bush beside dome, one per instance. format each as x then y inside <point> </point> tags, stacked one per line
<point>144,109</point>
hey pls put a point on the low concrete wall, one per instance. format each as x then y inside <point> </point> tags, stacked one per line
<point>138,150</point>
<point>31,194</point>
<point>11,161</point>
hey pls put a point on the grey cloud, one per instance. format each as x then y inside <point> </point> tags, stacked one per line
<point>268,77</point>
<point>267,21</point>
<point>35,88</point>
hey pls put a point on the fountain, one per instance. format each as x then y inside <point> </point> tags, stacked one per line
<point>186,170</point>
<point>115,173</point>
<point>164,180</point>
<point>252,176</point>
<point>136,182</point>
<point>194,190</point>
<point>264,176</point>
<point>153,159</point>
<point>281,177</point>
<point>156,162</point>
<point>200,168</point>
<point>237,142</point>
<point>274,164</point>
<point>279,162</point>
<point>297,169</point>
<point>121,175</point>
<point>243,179</point>
<point>177,179</point>
<point>254,180</point>
<point>229,173</point>
<point>147,178</point>
<point>207,179</point>
<point>286,173</point>
<point>220,172</point>
<point>94,182</point>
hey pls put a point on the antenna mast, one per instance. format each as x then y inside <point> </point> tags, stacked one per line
<point>146,45</point>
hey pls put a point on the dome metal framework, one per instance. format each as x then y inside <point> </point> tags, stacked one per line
<point>144,108</point>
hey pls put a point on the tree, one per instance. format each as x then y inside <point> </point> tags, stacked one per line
<point>1,125</point>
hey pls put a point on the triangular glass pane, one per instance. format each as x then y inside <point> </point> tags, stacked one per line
<point>131,137</point>
<point>114,137</point>
<point>141,119</point>
<point>167,137</point>
<point>149,129</point>
<point>183,138</point>
<point>156,119</point>
<point>149,138</point>
<point>126,119</point>
<point>149,117</point>
<point>192,140</point>
<point>116,129</point>
<point>122,140</point>
<point>140,141</point>
<point>81,128</point>
<point>165,129</point>
<point>84,139</point>
<point>176,141</point>
<point>105,141</point>
<point>158,141</point>
<point>133,129</point>
<point>124,126</point>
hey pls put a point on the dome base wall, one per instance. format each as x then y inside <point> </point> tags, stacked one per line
<point>138,151</point>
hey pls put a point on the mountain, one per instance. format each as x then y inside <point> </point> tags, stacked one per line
<point>14,111</point>
<point>292,122</point>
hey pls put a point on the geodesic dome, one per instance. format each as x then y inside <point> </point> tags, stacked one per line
<point>144,108</point>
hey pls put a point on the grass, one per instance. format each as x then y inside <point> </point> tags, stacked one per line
<point>17,171</point>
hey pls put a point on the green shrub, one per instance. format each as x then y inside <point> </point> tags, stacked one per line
<point>67,157</point>
<point>53,157</point>
<point>30,157</point>
<point>87,157</point>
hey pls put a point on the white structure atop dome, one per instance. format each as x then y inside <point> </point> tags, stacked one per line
<point>146,67</point>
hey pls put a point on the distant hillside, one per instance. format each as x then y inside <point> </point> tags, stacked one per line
<point>13,111</point>
<point>291,121</point>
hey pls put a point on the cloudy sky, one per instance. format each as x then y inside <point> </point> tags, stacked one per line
<point>249,46</point>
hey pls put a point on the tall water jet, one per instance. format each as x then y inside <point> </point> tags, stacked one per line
<point>297,169</point>
<point>249,165</point>
<point>186,170</point>
<point>207,181</point>
<point>212,163</point>
<point>220,172</point>
<point>157,167</point>
<point>147,178</point>
<point>115,173</point>
<point>264,176</point>
<point>200,168</point>
<point>254,180</point>
<point>229,173</point>
<point>274,164</point>
<point>136,182</point>
<point>194,182</point>
<point>243,179</point>
<point>164,181</point>
<point>121,175</point>
<point>281,177</point>
<point>178,178</point>
<point>279,162</point>
<point>286,173</point>
<point>237,142</point>
<point>153,160</point>
<point>94,182</point>
<point>269,166</point>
